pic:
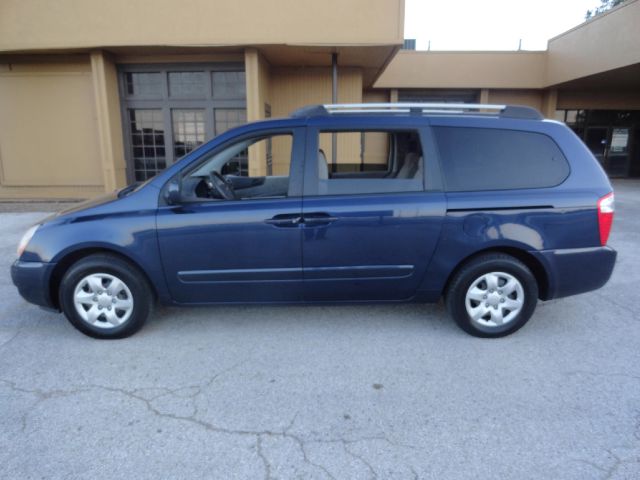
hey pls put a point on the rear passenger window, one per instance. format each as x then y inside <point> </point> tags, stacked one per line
<point>369,162</point>
<point>494,159</point>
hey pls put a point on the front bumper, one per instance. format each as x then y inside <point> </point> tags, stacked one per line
<point>33,282</point>
<point>579,270</point>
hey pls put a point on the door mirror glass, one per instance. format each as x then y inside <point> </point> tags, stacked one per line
<point>172,193</point>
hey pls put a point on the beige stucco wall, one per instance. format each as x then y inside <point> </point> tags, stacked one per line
<point>376,96</point>
<point>531,98</point>
<point>289,88</point>
<point>49,144</point>
<point>420,69</point>
<point>609,41</point>
<point>46,25</point>
<point>292,88</point>
<point>61,131</point>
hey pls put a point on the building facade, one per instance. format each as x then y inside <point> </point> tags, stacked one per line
<point>589,77</point>
<point>95,95</point>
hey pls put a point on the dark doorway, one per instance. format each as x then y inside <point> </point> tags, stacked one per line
<point>611,135</point>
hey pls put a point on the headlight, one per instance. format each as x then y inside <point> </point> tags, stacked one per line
<point>26,238</point>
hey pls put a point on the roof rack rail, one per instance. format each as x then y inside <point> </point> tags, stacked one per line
<point>505,111</point>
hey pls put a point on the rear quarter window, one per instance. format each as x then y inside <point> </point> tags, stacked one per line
<point>494,159</point>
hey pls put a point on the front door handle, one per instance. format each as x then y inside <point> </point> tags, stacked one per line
<point>318,218</point>
<point>285,220</point>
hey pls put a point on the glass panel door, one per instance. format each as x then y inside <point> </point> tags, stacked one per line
<point>225,119</point>
<point>147,142</point>
<point>618,154</point>
<point>188,130</point>
<point>611,147</point>
<point>169,110</point>
<point>596,140</point>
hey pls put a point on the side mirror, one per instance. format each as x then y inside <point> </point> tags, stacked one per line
<point>172,193</point>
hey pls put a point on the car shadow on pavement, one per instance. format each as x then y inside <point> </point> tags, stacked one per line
<point>278,317</point>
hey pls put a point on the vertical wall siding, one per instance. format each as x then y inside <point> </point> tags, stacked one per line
<point>292,88</point>
<point>48,133</point>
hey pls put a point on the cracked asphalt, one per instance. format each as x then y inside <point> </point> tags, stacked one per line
<point>353,392</point>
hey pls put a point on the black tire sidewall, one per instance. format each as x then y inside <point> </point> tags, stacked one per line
<point>113,266</point>
<point>456,295</point>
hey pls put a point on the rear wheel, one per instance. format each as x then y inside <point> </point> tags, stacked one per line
<point>492,296</point>
<point>104,296</point>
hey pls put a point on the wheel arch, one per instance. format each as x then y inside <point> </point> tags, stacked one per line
<point>537,268</point>
<point>70,258</point>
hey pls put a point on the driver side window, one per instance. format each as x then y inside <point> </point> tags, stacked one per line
<point>249,169</point>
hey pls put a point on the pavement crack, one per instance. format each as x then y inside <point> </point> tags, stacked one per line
<point>415,474</point>
<point>611,472</point>
<point>305,457</point>
<point>11,339</point>
<point>374,475</point>
<point>591,464</point>
<point>191,392</point>
<point>41,396</point>
<point>265,460</point>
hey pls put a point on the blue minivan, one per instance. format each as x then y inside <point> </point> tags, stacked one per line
<point>490,207</point>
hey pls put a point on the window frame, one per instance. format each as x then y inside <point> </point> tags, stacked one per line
<point>431,180</point>
<point>296,168</point>
<point>168,103</point>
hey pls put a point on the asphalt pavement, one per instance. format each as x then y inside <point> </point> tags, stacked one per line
<point>353,392</point>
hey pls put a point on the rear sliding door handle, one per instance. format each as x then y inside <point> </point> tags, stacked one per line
<point>285,220</point>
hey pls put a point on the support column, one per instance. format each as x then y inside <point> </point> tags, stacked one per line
<point>550,103</point>
<point>256,74</point>
<point>393,95</point>
<point>107,101</point>
<point>252,75</point>
<point>484,95</point>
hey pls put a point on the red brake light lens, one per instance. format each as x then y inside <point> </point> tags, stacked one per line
<point>606,209</point>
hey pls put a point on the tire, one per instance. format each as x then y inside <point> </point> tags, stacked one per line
<point>492,295</point>
<point>89,284</point>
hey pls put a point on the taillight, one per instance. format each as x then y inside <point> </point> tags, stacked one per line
<point>606,208</point>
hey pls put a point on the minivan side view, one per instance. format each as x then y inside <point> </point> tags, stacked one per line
<point>490,207</point>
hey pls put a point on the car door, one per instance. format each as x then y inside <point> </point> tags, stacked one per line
<point>370,229</point>
<point>246,249</point>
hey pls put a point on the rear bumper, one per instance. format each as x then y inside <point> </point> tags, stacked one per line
<point>32,280</point>
<point>574,271</point>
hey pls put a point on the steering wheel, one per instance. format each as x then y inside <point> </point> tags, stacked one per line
<point>224,187</point>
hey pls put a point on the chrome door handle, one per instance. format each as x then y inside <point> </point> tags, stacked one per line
<point>318,218</point>
<point>285,220</point>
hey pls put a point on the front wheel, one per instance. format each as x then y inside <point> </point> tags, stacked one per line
<point>492,296</point>
<point>104,296</point>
